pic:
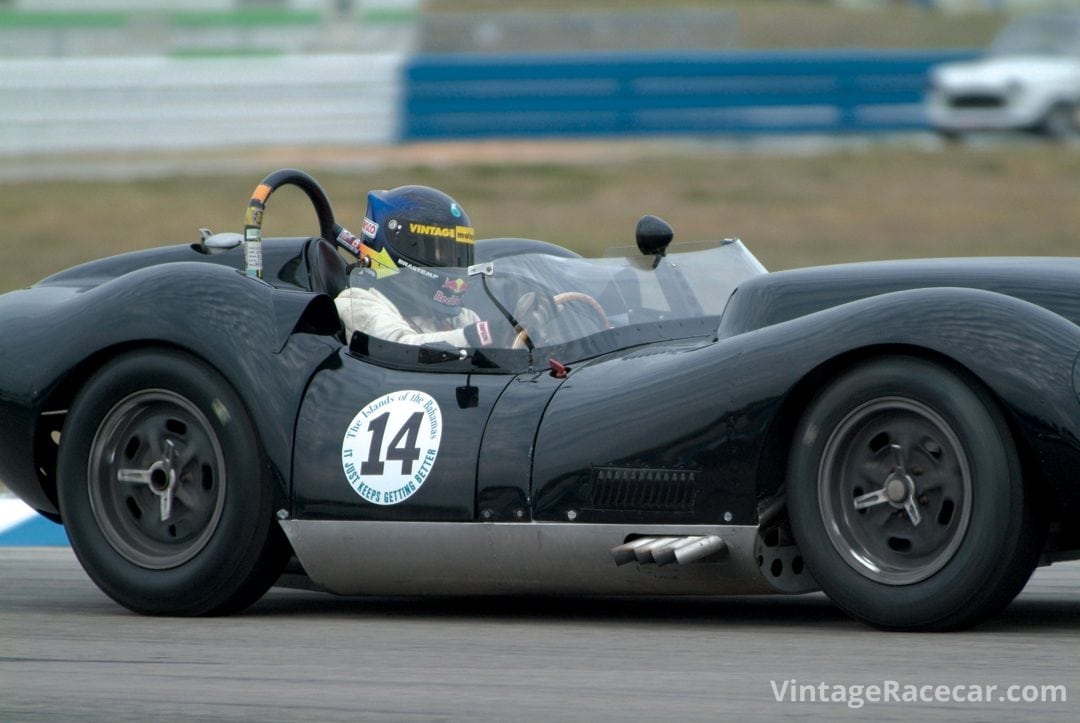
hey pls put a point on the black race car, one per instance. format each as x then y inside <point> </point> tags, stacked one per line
<point>901,435</point>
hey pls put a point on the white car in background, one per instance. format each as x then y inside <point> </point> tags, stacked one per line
<point>1028,80</point>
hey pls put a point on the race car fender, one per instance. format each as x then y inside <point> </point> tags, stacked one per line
<point>722,414</point>
<point>242,327</point>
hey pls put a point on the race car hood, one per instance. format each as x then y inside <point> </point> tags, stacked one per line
<point>780,296</point>
<point>1006,72</point>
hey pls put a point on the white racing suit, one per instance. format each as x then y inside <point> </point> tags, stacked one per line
<point>369,311</point>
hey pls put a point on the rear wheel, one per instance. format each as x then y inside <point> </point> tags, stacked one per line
<point>906,498</point>
<point>163,489</point>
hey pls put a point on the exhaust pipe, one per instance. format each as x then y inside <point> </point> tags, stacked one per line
<point>669,550</point>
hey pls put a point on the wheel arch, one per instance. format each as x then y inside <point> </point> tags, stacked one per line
<point>772,479</point>
<point>54,409</point>
<point>254,335</point>
<point>1057,121</point>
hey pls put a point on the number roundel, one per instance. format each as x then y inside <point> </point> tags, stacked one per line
<point>390,446</point>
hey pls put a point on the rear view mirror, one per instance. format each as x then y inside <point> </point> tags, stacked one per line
<point>653,235</point>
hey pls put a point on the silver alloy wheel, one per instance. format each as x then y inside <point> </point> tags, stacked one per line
<point>156,479</point>
<point>894,490</point>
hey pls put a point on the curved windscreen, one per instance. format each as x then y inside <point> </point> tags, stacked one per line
<point>554,300</point>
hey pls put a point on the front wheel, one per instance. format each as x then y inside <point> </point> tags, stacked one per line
<point>1060,122</point>
<point>906,498</point>
<point>163,489</point>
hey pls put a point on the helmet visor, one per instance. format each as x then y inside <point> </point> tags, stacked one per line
<point>435,245</point>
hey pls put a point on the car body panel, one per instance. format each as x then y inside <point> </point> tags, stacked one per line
<point>354,558</point>
<point>345,387</point>
<point>668,427</point>
<point>731,397</point>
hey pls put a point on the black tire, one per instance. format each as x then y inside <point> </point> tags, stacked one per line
<point>951,137</point>
<point>1060,122</point>
<point>164,491</point>
<point>947,533</point>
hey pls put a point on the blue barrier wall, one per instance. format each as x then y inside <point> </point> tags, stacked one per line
<point>648,93</point>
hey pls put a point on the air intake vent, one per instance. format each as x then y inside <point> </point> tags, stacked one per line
<point>629,488</point>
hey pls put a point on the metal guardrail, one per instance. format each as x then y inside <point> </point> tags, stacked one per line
<point>102,104</point>
<point>145,103</point>
<point>612,94</point>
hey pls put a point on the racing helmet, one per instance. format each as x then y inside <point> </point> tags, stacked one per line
<point>421,229</point>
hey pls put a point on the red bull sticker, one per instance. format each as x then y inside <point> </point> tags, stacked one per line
<point>453,300</point>
<point>457,286</point>
<point>390,447</point>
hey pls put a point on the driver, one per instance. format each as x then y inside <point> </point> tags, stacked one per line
<point>409,234</point>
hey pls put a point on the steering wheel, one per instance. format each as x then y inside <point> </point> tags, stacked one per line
<point>257,207</point>
<point>561,300</point>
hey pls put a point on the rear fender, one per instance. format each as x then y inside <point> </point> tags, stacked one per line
<point>1023,354</point>
<point>261,339</point>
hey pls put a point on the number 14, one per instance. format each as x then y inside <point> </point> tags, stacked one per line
<point>402,447</point>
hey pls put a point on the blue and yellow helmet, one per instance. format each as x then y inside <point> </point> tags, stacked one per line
<point>420,225</point>
<point>422,228</point>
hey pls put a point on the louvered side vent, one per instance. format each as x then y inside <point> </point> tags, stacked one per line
<point>628,488</point>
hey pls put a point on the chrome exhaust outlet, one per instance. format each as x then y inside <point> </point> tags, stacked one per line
<point>628,552</point>
<point>670,550</point>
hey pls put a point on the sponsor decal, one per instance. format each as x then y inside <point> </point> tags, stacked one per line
<point>461,234</point>
<point>465,235</point>
<point>426,229</point>
<point>254,216</point>
<point>457,286</point>
<point>456,210</point>
<point>346,238</point>
<point>253,257</point>
<point>418,269</point>
<point>369,228</point>
<point>451,300</point>
<point>483,332</point>
<point>390,447</point>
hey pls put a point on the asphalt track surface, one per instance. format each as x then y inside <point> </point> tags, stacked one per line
<point>69,653</point>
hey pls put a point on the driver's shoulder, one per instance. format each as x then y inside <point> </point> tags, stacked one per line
<point>364,294</point>
<point>364,301</point>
